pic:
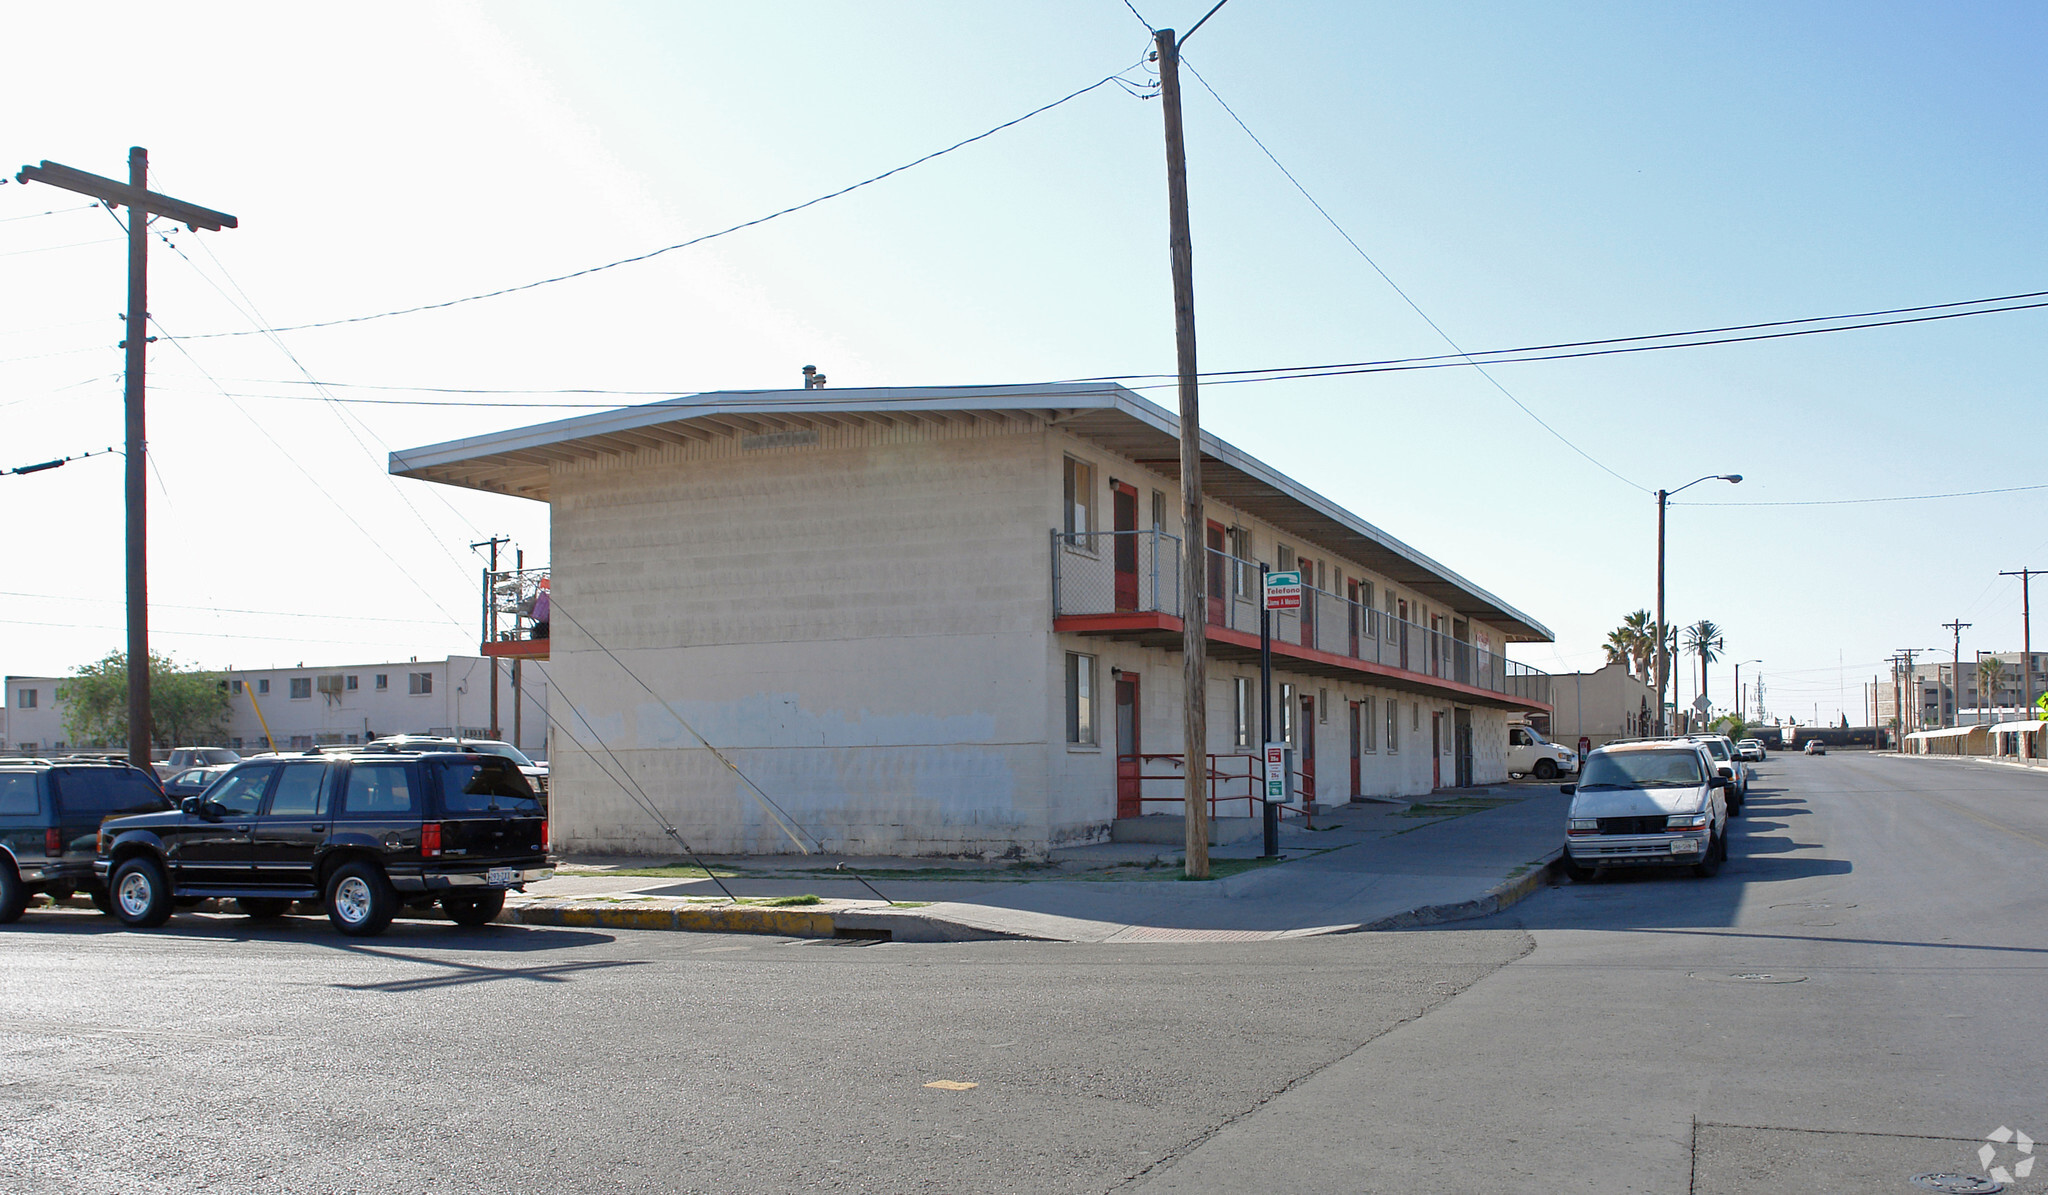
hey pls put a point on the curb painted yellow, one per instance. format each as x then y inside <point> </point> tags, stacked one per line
<point>705,919</point>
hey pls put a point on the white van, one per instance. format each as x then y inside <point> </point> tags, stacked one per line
<point>1530,754</point>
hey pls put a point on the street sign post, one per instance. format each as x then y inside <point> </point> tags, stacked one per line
<point>1276,773</point>
<point>1283,591</point>
<point>1269,817</point>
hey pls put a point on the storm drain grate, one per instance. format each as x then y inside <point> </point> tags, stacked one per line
<point>1957,1184</point>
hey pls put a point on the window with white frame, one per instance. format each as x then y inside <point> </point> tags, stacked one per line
<point>1158,510</point>
<point>1241,573</point>
<point>1247,708</point>
<point>1393,726</point>
<point>1080,503</point>
<point>1391,636</point>
<point>1368,710</point>
<point>1080,699</point>
<point>1365,604</point>
<point>302,689</point>
<point>349,684</point>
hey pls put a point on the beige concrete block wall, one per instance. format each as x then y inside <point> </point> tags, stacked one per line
<point>861,623</point>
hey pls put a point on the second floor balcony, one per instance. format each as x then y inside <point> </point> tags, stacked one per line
<point>1127,584</point>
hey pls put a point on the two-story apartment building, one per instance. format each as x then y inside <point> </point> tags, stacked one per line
<point>304,707</point>
<point>936,621</point>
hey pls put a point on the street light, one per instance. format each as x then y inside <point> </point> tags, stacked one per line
<point>1663,659</point>
<point>1739,711</point>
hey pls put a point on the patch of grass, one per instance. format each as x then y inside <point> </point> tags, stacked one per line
<point>681,872</point>
<point>785,902</point>
<point>1223,869</point>
<point>910,904</point>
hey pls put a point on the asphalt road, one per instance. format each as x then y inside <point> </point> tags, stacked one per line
<point>1856,999</point>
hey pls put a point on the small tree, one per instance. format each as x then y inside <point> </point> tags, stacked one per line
<point>185,704</point>
<point>1990,672</point>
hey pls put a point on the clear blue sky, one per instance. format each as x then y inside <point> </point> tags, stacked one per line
<point>1525,173</point>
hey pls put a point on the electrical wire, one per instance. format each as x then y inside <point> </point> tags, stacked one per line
<point>54,248</point>
<point>1405,297</point>
<point>709,236</point>
<point>2016,489</point>
<point>58,597</point>
<point>55,211</point>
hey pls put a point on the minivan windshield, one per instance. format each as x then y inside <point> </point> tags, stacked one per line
<point>1642,769</point>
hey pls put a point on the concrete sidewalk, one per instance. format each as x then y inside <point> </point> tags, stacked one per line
<point>1363,867</point>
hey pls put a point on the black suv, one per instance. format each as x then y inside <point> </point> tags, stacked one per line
<point>49,814</point>
<point>365,832</point>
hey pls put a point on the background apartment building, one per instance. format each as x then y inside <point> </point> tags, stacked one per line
<point>329,704</point>
<point>1932,696</point>
<point>936,621</point>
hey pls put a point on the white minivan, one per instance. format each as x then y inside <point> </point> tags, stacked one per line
<point>1654,804</point>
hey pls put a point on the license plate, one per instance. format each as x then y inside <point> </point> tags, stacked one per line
<point>501,876</point>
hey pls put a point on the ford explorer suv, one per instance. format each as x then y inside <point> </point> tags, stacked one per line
<point>365,833</point>
<point>1530,754</point>
<point>1655,804</point>
<point>49,816</point>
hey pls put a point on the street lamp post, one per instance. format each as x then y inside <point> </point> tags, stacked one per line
<point>1663,656</point>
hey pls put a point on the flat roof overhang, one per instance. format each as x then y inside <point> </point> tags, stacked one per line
<point>518,462</point>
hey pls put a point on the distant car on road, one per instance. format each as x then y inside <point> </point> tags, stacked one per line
<point>196,757</point>
<point>1816,747</point>
<point>1751,750</point>
<point>193,781</point>
<point>1647,805</point>
<point>1530,754</point>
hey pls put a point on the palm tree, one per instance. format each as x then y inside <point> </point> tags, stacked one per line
<point>1990,671</point>
<point>1706,639</point>
<point>1641,629</point>
<point>1619,649</point>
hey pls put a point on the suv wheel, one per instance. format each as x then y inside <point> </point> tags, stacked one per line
<point>262,907</point>
<point>1546,769</point>
<point>13,897</point>
<point>142,896</point>
<point>480,909</point>
<point>360,901</point>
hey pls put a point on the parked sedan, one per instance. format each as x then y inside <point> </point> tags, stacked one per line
<point>1816,747</point>
<point>193,781</point>
<point>1751,750</point>
<point>1645,805</point>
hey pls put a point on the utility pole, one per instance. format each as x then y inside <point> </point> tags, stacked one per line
<point>491,622</point>
<point>142,203</point>
<point>1955,674</point>
<point>1194,641</point>
<point>2026,575</point>
<point>1663,664</point>
<point>1908,725</point>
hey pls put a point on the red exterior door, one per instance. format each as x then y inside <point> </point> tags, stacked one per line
<point>1127,762</point>
<point>1308,750</point>
<point>1217,574</point>
<point>1124,509</point>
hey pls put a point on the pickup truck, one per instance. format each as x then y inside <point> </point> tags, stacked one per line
<point>1530,754</point>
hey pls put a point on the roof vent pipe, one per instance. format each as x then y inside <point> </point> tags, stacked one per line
<point>813,380</point>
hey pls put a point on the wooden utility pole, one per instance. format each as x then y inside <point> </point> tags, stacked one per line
<point>1955,674</point>
<point>142,203</point>
<point>1194,556</point>
<point>2026,575</point>
<point>491,622</point>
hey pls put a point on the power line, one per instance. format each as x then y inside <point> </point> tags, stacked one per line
<point>54,248</point>
<point>58,597</point>
<point>55,211</point>
<point>1413,305</point>
<point>709,236</point>
<point>2016,489</point>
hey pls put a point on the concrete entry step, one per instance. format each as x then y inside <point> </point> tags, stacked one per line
<point>1170,830</point>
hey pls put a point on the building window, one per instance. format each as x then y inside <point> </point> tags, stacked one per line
<point>302,687</point>
<point>420,682</point>
<point>349,684</point>
<point>263,686</point>
<point>1366,611</point>
<point>1369,711</point>
<point>382,682</point>
<point>235,686</point>
<point>1287,714</point>
<point>1247,705</point>
<point>1285,556</point>
<point>1391,636</point>
<point>352,740</point>
<point>1323,706</point>
<point>1080,699</point>
<point>1415,715</point>
<point>235,743</point>
<point>1080,502</point>
<point>1158,511</point>
<point>25,699</point>
<point>1393,726</point>
<point>1241,568</point>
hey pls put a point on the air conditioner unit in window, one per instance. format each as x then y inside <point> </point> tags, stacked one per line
<point>329,684</point>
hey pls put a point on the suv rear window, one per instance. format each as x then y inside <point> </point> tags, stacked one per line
<point>17,794</point>
<point>104,792</point>
<point>487,785</point>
